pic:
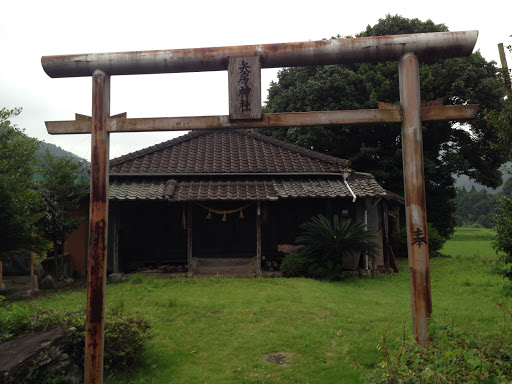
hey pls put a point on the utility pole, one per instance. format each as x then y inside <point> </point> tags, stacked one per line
<point>504,68</point>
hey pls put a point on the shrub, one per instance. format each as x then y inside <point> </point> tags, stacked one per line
<point>136,278</point>
<point>43,321</point>
<point>125,336</point>
<point>435,242</point>
<point>294,265</point>
<point>503,239</point>
<point>450,357</point>
<point>125,340</point>
<point>327,243</point>
<point>14,320</point>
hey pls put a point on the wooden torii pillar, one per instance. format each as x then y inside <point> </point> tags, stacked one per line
<point>244,64</point>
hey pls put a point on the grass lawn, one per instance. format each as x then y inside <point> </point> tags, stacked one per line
<point>220,330</point>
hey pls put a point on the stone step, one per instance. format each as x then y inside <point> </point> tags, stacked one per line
<point>240,275</point>
<point>224,261</point>
<point>224,269</point>
<point>235,267</point>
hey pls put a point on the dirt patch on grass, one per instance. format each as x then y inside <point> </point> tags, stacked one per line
<point>280,358</point>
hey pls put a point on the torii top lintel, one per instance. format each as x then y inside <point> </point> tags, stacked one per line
<point>336,51</point>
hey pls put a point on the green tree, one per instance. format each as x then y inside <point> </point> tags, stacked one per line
<point>475,208</point>
<point>502,119</point>
<point>507,186</point>
<point>503,240</point>
<point>63,189</point>
<point>448,148</point>
<point>21,205</point>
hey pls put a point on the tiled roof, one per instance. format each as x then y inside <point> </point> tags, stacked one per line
<point>247,189</point>
<point>233,165</point>
<point>137,190</point>
<point>225,151</point>
<point>328,187</point>
<point>224,190</point>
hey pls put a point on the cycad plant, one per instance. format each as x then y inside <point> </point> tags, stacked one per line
<point>327,243</point>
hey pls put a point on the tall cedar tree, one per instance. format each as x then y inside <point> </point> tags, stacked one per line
<point>63,188</point>
<point>21,205</point>
<point>449,148</point>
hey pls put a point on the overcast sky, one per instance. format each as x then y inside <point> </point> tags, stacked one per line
<point>31,29</point>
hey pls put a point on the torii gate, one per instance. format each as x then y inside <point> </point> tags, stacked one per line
<point>244,65</point>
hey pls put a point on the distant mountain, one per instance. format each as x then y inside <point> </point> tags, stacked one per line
<point>59,152</point>
<point>56,151</point>
<point>467,183</point>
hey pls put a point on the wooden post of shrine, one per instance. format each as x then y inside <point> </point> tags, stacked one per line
<point>114,239</point>
<point>98,230</point>
<point>190,241</point>
<point>258,238</point>
<point>414,187</point>
<point>33,278</point>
